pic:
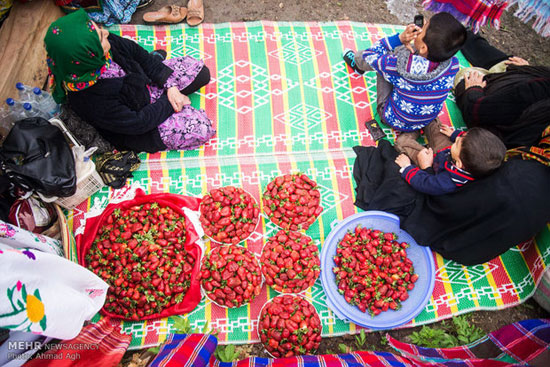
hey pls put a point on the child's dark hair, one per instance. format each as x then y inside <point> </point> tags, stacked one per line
<point>481,152</point>
<point>444,37</point>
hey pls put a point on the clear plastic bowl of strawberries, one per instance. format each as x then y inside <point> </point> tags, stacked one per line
<point>229,214</point>
<point>231,276</point>
<point>290,262</point>
<point>292,201</point>
<point>289,326</point>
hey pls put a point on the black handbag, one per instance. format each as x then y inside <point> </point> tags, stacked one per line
<point>36,156</point>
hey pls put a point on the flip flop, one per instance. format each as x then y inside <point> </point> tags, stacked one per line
<point>166,14</point>
<point>195,13</point>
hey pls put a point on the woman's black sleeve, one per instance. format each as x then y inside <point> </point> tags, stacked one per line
<point>152,65</point>
<point>119,118</point>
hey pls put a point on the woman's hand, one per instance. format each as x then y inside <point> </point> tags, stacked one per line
<point>408,35</point>
<point>177,100</point>
<point>473,79</point>
<point>514,60</point>
<point>425,158</point>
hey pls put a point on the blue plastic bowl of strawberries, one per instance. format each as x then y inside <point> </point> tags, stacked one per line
<point>423,262</point>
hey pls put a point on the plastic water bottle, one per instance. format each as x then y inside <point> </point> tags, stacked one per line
<point>25,93</point>
<point>15,109</point>
<point>45,103</point>
<point>27,109</point>
<point>4,114</point>
<point>30,111</point>
<point>5,123</point>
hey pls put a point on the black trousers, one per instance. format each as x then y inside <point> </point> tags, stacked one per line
<point>203,78</point>
<point>480,53</point>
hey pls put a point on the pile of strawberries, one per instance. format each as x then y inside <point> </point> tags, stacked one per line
<point>373,271</point>
<point>229,214</point>
<point>292,201</point>
<point>290,262</point>
<point>289,326</point>
<point>230,276</point>
<point>140,253</point>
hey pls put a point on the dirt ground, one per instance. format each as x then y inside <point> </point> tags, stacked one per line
<point>514,37</point>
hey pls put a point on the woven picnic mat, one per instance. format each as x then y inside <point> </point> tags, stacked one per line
<point>283,100</point>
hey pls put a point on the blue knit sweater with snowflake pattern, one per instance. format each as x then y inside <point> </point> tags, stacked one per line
<point>419,86</point>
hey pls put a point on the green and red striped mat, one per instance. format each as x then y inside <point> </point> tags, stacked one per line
<point>283,100</point>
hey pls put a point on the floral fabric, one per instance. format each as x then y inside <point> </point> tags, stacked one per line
<point>39,289</point>
<point>113,71</point>
<point>185,68</point>
<point>75,87</point>
<point>185,130</point>
<point>190,128</point>
<point>20,238</point>
<point>74,53</point>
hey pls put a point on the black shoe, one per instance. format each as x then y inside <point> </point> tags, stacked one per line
<point>349,58</point>
<point>144,3</point>
<point>160,53</point>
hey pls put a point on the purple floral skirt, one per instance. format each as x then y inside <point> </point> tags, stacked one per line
<point>190,128</point>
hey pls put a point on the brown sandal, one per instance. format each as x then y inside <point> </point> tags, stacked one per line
<point>166,14</point>
<point>195,14</point>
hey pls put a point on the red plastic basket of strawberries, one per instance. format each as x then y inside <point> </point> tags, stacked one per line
<point>145,250</point>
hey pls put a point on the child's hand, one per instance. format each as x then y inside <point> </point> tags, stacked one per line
<point>514,60</point>
<point>403,161</point>
<point>408,35</point>
<point>425,158</point>
<point>473,79</point>
<point>447,130</point>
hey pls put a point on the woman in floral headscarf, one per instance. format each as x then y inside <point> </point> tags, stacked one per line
<point>134,99</point>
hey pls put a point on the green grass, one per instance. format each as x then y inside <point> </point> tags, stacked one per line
<point>443,335</point>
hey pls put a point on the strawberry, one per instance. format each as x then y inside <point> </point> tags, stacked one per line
<point>145,271</point>
<point>229,214</point>
<point>373,271</point>
<point>230,276</point>
<point>292,201</point>
<point>299,258</point>
<point>289,326</point>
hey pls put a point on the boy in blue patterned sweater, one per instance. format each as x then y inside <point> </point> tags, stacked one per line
<point>474,154</point>
<point>412,84</point>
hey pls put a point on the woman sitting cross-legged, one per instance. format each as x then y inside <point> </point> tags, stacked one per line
<point>135,100</point>
<point>503,94</point>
